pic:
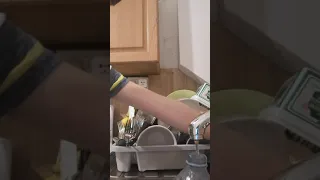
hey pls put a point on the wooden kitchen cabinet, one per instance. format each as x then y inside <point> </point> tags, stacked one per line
<point>134,48</point>
<point>30,1</point>
<point>62,24</point>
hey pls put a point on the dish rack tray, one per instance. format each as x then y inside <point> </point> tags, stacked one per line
<point>164,157</point>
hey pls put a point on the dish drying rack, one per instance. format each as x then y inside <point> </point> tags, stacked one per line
<point>166,157</point>
<point>296,108</point>
<point>160,157</point>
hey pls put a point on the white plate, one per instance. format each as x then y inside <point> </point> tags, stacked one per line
<point>156,135</point>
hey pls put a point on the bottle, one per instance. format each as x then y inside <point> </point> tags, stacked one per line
<point>196,168</point>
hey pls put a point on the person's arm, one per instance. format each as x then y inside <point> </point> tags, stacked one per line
<point>39,90</point>
<point>64,100</point>
<point>72,104</point>
<point>169,111</point>
<point>172,112</point>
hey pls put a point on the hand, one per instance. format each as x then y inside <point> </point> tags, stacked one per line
<point>207,133</point>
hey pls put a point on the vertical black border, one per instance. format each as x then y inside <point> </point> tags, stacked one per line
<point>212,4</point>
<point>108,59</point>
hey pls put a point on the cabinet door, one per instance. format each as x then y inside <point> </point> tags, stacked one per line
<point>134,37</point>
<point>59,25</point>
<point>30,0</point>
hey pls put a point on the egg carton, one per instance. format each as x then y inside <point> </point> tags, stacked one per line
<point>296,108</point>
<point>164,157</point>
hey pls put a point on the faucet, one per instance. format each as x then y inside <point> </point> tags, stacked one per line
<point>198,125</point>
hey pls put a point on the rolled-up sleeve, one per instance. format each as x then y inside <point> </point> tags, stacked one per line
<point>117,82</point>
<point>24,65</point>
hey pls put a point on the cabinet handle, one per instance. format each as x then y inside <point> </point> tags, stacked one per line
<point>114,2</point>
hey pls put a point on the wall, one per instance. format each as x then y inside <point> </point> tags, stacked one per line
<point>194,37</point>
<point>168,33</point>
<point>291,23</point>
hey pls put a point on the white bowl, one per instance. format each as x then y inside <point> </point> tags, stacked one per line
<point>156,135</point>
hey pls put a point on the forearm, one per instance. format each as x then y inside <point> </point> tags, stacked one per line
<point>36,89</point>
<point>171,112</point>
<point>207,133</point>
<point>71,104</point>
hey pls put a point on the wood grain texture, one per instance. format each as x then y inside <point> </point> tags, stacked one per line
<point>235,65</point>
<point>127,24</point>
<point>134,35</point>
<point>137,68</point>
<point>58,22</point>
<point>260,41</point>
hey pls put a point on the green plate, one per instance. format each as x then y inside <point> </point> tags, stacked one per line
<point>181,94</point>
<point>233,102</point>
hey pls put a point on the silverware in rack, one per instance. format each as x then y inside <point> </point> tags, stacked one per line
<point>130,127</point>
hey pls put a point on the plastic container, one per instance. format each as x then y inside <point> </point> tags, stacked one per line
<point>166,157</point>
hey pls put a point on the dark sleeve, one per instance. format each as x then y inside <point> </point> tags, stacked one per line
<point>24,65</point>
<point>117,82</point>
